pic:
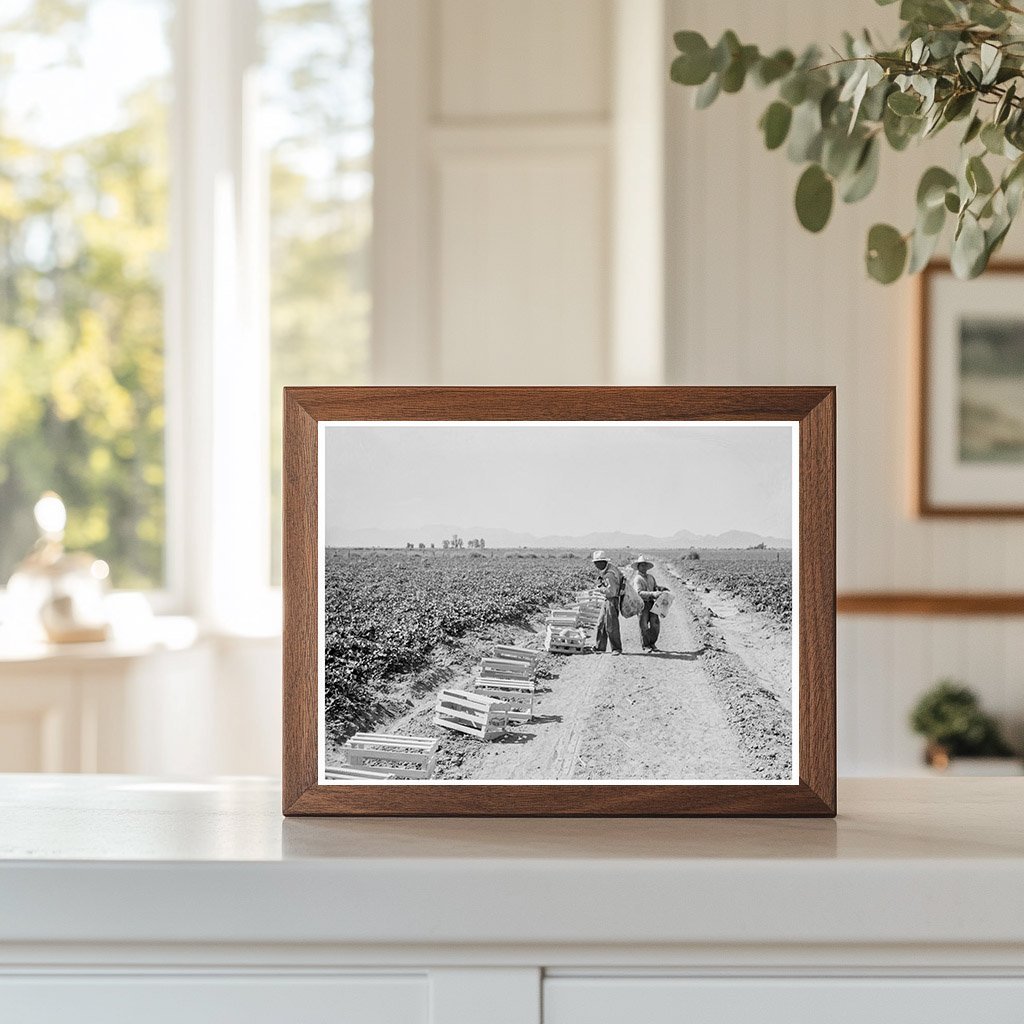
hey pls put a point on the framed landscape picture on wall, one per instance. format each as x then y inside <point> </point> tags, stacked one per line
<point>970,446</point>
<point>559,601</point>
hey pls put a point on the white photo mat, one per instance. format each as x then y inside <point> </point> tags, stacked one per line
<point>325,426</point>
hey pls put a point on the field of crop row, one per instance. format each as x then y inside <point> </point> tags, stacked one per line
<point>387,610</point>
<point>760,584</point>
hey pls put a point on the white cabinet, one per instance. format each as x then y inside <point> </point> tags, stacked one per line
<point>127,899</point>
<point>174,705</point>
<point>661,1000</point>
<point>202,999</point>
<point>98,708</point>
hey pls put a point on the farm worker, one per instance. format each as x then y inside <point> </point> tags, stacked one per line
<point>611,582</point>
<point>646,585</point>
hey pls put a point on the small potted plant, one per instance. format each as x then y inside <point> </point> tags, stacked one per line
<point>950,718</point>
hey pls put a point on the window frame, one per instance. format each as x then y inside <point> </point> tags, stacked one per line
<point>217,351</point>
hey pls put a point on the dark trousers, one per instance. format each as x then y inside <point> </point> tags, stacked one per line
<point>650,624</point>
<point>608,627</point>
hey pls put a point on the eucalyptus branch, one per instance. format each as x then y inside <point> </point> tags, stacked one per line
<point>955,61</point>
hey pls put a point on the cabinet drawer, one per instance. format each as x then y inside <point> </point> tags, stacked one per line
<point>660,1000</point>
<point>202,999</point>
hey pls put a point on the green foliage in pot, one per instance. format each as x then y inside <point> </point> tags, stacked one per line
<point>950,717</point>
<point>957,62</point>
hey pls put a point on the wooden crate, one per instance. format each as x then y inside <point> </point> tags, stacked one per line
<point>561,648</point>
<point>508,669</point>
<point>562,618</point>
<point>568,641</point>
<point>517,653</point>
<point>406,757</point>
<point>471,713</point>
<point>357,774</point>
<point>511,685</point>
<point>518,695</point>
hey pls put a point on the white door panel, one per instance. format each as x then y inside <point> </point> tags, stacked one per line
<point>782,1001</point>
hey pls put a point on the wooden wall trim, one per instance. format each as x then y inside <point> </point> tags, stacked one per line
<point>929,603</point>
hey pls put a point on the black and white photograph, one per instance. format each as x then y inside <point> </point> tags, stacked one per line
<point>558,602</point>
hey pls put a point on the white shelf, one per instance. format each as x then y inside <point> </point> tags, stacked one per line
<point>127,897</point>
<point>121,859</point>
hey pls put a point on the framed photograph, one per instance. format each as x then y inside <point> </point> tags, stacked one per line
<point>970,450</point>
<point>559,601</point>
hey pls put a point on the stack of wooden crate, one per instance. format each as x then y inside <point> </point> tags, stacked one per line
<point>560,639</point>
<point>573,629</point>
<point>591,607</point>
<point>510,674</point>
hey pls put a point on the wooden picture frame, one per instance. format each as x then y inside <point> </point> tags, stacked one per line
<point>811,792</point>
<point>926,503</point>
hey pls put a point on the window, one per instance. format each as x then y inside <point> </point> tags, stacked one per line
<point>317,117</point>
<point>83,235</point>
<point>239,217</point>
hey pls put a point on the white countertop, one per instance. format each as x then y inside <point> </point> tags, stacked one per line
<point>123,859</point>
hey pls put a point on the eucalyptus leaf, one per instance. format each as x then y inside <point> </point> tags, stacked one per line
<point>932,220</point>
<point>904,103</point>
<point>900,130</point>
<point>968,248</point>
<point>775,122</point>
<point>827,106</point>
<point>931,190</point>
<point>932,122</point>
<point>930,12</point>
<point>805,133</point>
<point>1014,192</point>
<point>978,176</point>
<point>922,248</point>
<point>840,152</point>
<point>794,88</point>
<point>865,173</point>
<point>873,106</point>
<point>771,69</point>
<point>973,130</point>
<point>995,233</point>
<point>814,195</point>
<point>987,15</point>
<point>707,93</point>
<point>1005,105</point>
<point>886,253</point>
<point>944,44</point>
<point>993,138</point>
<point>690,70</point>
<point>735,74</point>
<point>925,87</point>
<point>958,105</point>
<point>724,51</point>
<point>991,60</point>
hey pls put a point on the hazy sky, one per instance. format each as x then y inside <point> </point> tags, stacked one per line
<point>559,478</point>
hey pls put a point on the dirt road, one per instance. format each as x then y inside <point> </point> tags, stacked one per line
<point>713,703</point>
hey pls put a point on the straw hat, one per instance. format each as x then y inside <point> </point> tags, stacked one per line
<point>642,560</point>
<point>599,556</point>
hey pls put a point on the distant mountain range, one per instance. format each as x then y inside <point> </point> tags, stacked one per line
<point>373,537</point>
